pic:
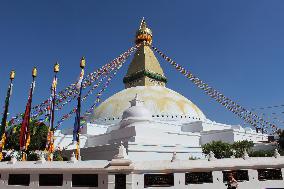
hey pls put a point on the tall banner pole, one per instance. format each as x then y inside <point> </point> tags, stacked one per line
<point>76,130</point>
<point>5,114</point>
<point>25,127</point>
<point>51,118</point>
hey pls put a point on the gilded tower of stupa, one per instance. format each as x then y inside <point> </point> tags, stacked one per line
<point>144,69</point>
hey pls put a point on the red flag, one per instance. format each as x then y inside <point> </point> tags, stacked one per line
<point>25,128</point>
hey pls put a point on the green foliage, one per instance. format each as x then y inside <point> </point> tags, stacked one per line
<point>57,156</point>
<point>13,138</point>
<point>6,158</point>
<point>38,131</point>
<point>226,150</point>
<point>142,73</point>
<point>219,148</point>
<point>262,153</point>
<point>32,156</point>
<point>240,146</point>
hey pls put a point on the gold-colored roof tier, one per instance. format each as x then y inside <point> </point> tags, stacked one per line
<point>145,69</point>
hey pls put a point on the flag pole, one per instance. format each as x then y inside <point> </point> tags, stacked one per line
<point>51,118</point>
<point>5,114</point>
<point>76,131</point>
<point>25,127</point>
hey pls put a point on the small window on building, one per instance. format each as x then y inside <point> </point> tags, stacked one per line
<point>120,181</point>
<point>198,178</point>
<point>19,179</point>
<point>158,180</point>
<point>50,179</point>
<point>239,175</point>
<point>269,174</point>
<point>84,180</point>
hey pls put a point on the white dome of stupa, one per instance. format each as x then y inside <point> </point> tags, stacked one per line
<point>159,101</point>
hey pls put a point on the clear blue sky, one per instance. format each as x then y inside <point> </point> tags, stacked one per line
<point>235,46</point>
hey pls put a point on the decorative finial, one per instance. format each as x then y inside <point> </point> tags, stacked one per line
<point>245,154</point>
<point>121,158</point>
<point>83,63</point>
<point>233,154</point>
<point>121,152</point>
<point>56,67</point>
<point>73,158</point>
<point>211,156</point>
<point>144,34</point>
<point>34,72</point>
<point>174,157</point>
<point>12,74</point>
<point>13,159</point>
<point>143,23</point>
<point>41,159</point>
<point>276,153</point>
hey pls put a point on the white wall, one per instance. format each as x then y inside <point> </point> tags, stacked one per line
<point>225,136</point>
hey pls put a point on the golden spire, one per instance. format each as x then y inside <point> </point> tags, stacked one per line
<point>143,33</point>
<point>83,63</point>
<point>56,67</point>
<point>12,74</point>
<point>144,69</point>
<point>34,72</point>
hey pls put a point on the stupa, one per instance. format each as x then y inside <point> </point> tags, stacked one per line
<point>151,120</point>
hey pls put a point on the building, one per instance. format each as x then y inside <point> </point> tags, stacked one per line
<point>122,173</point>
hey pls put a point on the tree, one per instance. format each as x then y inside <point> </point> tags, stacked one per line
<point>226,150</point>
<point>241,146</point>
<point>38,131</point>
<point>219,148</point>
<point>262,153</point>
<point>32,156</point>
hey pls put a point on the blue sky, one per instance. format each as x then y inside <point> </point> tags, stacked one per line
<point>235,46</point>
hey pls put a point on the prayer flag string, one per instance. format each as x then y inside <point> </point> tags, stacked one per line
<point>232,106</point>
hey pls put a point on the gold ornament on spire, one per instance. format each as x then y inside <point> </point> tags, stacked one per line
<point>12,74</point>
<point>34,72</point>
<point>56,67</point>
<point>143,33</point>
<point>83,63</point>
